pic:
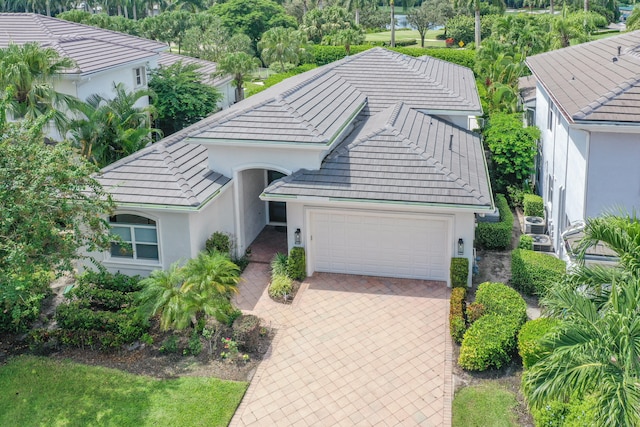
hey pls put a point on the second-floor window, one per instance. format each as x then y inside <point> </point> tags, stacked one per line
<point>139,76</point>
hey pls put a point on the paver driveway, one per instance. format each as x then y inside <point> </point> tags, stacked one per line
<point>351,350</point>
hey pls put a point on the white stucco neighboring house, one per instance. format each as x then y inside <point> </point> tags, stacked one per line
<point>587,106</point>
<point>102,58</point>
<point>370,177</point>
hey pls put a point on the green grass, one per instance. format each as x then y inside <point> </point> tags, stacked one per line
<point>486,405</point>
<point>430,39</point>
<point>43,392</point>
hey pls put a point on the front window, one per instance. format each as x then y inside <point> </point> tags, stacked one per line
<point>138,235</point>
<point>140,76</point>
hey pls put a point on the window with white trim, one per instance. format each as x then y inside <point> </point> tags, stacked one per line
<point>550,118</point>
<point>139,76</point>
<point>138,235</point>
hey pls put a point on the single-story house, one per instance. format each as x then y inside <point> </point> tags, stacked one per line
<point>368,162</point>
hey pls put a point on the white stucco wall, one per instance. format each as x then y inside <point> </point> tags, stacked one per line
<point>614,172</point>
<point>252,211</point>
<point>463,222</point>
<point>215,216</point>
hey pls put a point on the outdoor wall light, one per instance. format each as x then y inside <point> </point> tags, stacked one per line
<point>296,237</point>
<point>460,247</point>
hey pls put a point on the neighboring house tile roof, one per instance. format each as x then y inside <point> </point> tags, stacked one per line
<point>169,172</point>
<point>311,102</point>
<point>206,68</point>
<point>591,82</point>
<point>402,155</point>
<point>527,88</point>
<point>91,48</point>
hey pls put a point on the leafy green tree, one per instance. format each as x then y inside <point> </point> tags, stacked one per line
<point>31,70</point>
<point>281,45</point>
<point>239,65</point>
<point>319,23</point>
<point>168,27</point>
<point>181,97</point>
<point>475,5</point>
<point>513,149</point>
<point>110,129</point>
<point>51,205</point>
<point>253,17</point>
<point>203,286</point>
<point>373,18</point>
<point>429,15</point>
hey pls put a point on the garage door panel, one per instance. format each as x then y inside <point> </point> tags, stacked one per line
<point>396,246</point>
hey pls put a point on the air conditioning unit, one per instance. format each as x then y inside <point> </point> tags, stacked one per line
<point>534,225</point>
<point>541,242</point>
<point>489,216</point>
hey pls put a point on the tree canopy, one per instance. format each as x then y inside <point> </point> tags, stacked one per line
<point>181,97</point>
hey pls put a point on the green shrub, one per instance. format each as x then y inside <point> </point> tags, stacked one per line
<point>169,345</point>
<point>457,323</point>
<point>279,265</point>
<point>246,332</point>
<point>474,311</point>
<point>103,279</point>
<point>102,299</point>
<point>297,265</point>
<point>227,314</point>
<point>526,242</point>
<point>195,345</point>
<point>533,205</point>
<point>220,242</point>
<point>529,346</point>
<point>497,235</point>
<point>21,298</point>
<point>459,272</point>
<point>534,272</point>
<point>281,286</point>
<point>501,300</point>
<point>552,414</point>
<point>488,343</point>
<point>516,195</point>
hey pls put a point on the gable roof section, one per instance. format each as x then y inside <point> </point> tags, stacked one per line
<point>91,48</point>
<point>169,172</point>
<point>313,106</point>
<point>590,82</point>
<point>400,155</point>
<point>307,113</point>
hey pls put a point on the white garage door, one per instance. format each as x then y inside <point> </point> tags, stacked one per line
<point>380,245</point>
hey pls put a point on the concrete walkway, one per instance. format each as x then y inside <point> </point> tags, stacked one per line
<point>350,350</point>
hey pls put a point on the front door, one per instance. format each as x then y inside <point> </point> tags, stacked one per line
<point>277,210</point>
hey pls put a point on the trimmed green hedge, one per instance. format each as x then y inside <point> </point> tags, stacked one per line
<point>501,300</point>
<point>533,205</point>
<point>526,242</point>
<point>297,264</point>
<point>534,272</point>
<point>459,272</point>
<point>497,235</point>
<point>457,323</point>
<point>488,343</point>
<point>529,347</point>
<point>326,54</point>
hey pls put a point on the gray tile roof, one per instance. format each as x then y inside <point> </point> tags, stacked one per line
<point>591,82</point>
<point>527,88</point>
<point>310,107</point>
<point>206,68</point>
<point>91,48</point>
<point>169,172</point>
<point>399,155</point>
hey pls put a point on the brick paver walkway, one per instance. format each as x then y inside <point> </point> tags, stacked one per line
<point>350,350</point>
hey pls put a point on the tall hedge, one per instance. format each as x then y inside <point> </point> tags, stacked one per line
<point>497,235</point>
<point>488,343</point>
<point>459,272</point>
<point>529,346</point>
<point>534,272</point>
<point>326,54</point>
<point>501,300</point>
<point>457,322</point>
<point>533,205</point>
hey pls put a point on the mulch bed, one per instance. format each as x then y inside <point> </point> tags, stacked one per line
<point>289,300</point>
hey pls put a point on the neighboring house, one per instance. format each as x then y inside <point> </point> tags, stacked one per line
<point>102,57</point>
<point>588,111</point>
<point>368,162</point>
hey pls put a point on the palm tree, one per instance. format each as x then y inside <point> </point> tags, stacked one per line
<point>110,129</point>
<point>282,45</point>
<point>475,5</point>
<point>594,354</point>
<point>31,70</point>
<point>162,295</point>
<point>349,37</point>
<point>239,65</point>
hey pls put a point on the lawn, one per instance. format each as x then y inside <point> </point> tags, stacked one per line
<point>39,391</point>
<point>485,405</point>
<point>430,39</point>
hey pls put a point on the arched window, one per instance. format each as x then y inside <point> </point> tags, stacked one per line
<point>139,237</point>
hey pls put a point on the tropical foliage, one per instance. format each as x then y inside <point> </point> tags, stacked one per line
<point>280,46</point>
<point>240,65</point>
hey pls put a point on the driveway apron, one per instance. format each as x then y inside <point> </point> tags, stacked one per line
<point>351,350</point>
